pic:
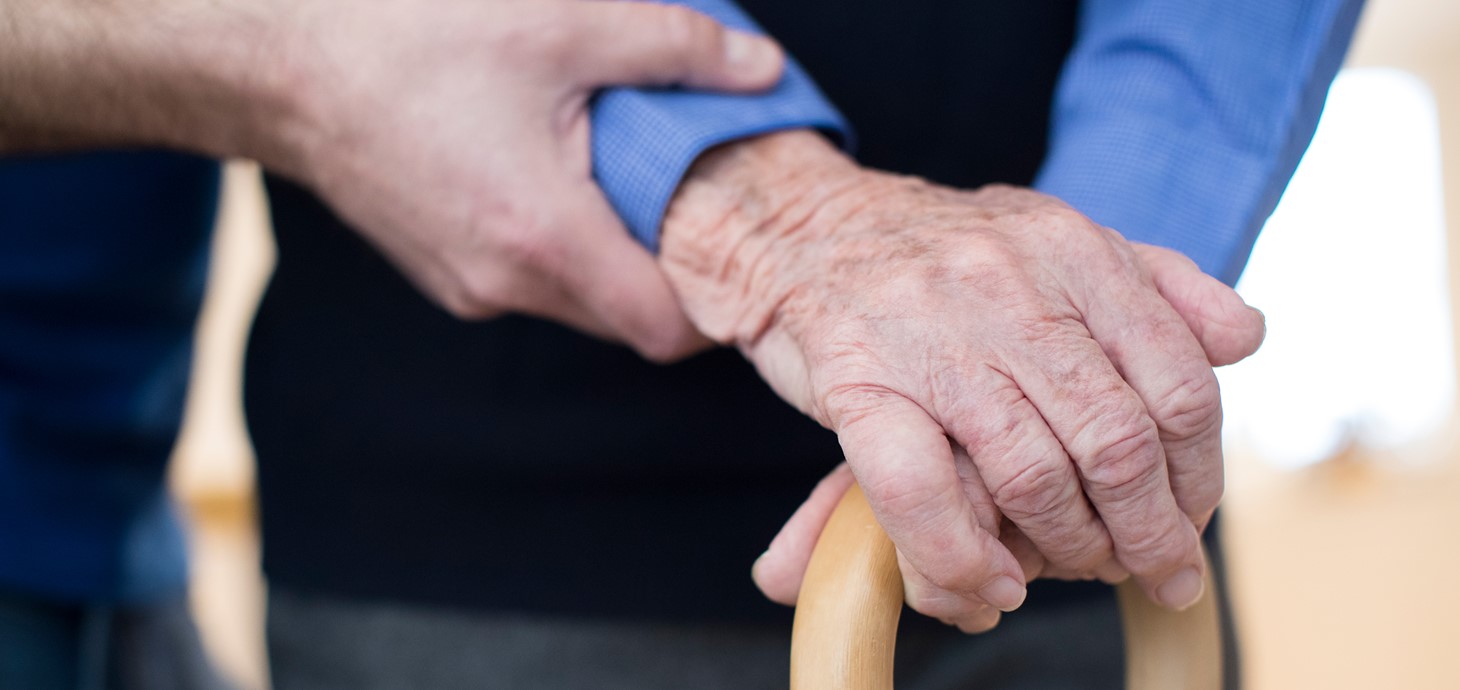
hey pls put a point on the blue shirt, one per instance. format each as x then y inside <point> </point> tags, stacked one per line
<point>1177,123</point>
<point>102,266</point>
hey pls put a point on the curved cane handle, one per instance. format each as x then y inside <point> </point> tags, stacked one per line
<point>851,598</point>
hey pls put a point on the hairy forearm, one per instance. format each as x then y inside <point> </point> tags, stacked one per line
<point>196,75</point>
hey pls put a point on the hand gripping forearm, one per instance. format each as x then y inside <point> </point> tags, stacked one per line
<point>453,135</point>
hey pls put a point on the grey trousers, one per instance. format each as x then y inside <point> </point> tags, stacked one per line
<point>319,643</point>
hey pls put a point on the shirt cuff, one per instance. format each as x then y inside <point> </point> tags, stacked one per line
<point>644,140</point>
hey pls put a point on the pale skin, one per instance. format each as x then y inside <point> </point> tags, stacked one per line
<point>454,137</point>
<point>1020,392</point>
<point>996,366</point>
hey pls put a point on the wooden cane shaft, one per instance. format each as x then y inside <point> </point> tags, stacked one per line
<point>851,598</point>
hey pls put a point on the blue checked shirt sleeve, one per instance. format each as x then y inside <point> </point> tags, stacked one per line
<point>645,139</point>
<point>1179,122</point>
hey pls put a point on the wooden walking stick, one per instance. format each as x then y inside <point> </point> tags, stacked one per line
<point>851,598</point>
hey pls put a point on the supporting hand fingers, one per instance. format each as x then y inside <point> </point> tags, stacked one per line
<point>621,284</point>
<point>651,44</point>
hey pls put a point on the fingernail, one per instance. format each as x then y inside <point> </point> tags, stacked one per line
<point>1180,591</point>
<point>747,52</point>
<point>1111,573</point>
<point>1003,593</point>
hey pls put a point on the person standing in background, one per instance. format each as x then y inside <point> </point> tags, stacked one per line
<point>525,506</point>
<point>195,86</point>
<point>103,244</point>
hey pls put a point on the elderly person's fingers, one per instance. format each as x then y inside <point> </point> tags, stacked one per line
<point>1030,559</point>
<point>968,615</point>
<point>985,511</point>
<point>1228,329</point>
<point>1155,351</point>
<point>1108,432</point>
<point>1026,471</point>
<point>904,463</point>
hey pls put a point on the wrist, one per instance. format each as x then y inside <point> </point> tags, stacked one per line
<point>247,88</point>
<point>744,222</point>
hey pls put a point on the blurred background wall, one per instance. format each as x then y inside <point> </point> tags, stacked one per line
<point>1343,508</point>
<point>1343,500</point>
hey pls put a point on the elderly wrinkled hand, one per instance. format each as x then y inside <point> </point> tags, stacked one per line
<point>985,358</point>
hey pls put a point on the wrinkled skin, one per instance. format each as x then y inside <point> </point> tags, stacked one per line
<point>1018,390</point>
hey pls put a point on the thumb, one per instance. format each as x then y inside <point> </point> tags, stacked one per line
<point>649,44</point>
<point>1228,330</point>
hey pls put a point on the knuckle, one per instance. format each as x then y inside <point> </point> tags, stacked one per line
<point>987,264</point>
<point>1094,244</point>
<point>853,402</point>
<point>1153,551</point>
<point>543,37</point>
<point>1069,225</point>
<point>551,35</point>
<point>1124,454</point>
<point>1083,555</point>
<point>1191,407</point>
<point>1197,499</point>
<point>1208,495</point>
<point>482,294</point>
<point>535,250</point>
<point>1038,489</point>
<point>1071,219</point>
<point>687,32</point>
